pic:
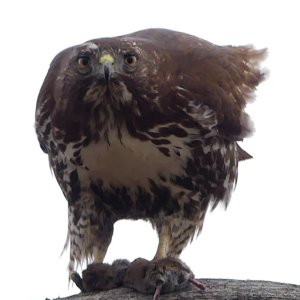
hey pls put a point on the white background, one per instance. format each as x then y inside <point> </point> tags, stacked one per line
<point>256,238</point>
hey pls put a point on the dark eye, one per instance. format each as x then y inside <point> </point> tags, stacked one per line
<point>84,64</point>
<point>130,60</point>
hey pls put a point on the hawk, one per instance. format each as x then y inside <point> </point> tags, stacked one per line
<point>145,126</point>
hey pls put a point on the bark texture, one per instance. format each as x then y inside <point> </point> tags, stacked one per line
<point>215,289</point>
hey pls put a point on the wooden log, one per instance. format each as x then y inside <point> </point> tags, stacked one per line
<point>218,289</point>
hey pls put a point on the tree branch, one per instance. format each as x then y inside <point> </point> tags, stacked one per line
<point>214,289</point>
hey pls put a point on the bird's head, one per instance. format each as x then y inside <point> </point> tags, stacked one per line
<point>107,72</point>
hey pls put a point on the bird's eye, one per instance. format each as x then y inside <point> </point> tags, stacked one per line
<point>130,60</point>
<point>84,64</point>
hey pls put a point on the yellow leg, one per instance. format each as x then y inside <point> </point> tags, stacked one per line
<point>99,255</point>
<point>164,241</point>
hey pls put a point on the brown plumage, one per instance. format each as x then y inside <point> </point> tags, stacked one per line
<point>145,126</point>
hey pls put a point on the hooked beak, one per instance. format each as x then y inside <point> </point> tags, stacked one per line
<point>107,66</point>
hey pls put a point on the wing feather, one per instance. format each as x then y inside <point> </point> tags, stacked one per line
<point>224,78</point>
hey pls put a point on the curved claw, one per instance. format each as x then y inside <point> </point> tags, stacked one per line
<point>75,277</point>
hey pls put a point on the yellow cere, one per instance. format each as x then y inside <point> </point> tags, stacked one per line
<point>106,57</point>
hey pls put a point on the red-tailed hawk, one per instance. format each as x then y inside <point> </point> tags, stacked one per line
<point>145,126</point>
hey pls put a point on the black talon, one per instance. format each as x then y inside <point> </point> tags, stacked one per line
<point>75,277</point>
